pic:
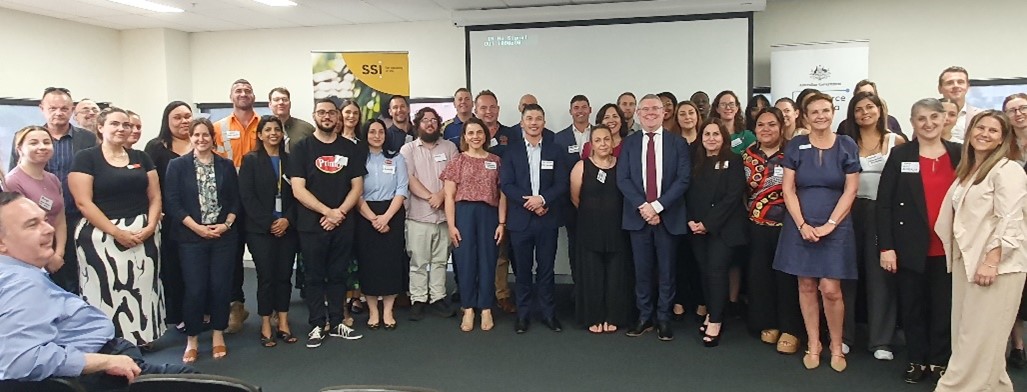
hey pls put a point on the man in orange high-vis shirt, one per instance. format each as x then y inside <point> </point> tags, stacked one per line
<point>234,137</point>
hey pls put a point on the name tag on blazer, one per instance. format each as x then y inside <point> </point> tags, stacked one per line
<point>573,149</point>
<point>910,167</point>
<point>490,165</point>
<point>547,165</point>
<point>779,171</point>
<point>721,165</point>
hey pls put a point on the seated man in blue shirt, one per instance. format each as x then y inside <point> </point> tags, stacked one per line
<point>47,331</point>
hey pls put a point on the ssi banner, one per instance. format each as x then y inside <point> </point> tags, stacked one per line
<point>833,68</point>
<point>369,78</point>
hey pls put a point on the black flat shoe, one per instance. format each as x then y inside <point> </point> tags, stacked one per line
<point>553,324</point>
<point>640,329</point>
<point>286,337</point>
<point>373,326</point>
<point>521,326</point>
<point>663,331</point>
<point>390,327</point>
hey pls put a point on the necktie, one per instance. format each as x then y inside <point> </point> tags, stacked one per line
<point>650,169</point>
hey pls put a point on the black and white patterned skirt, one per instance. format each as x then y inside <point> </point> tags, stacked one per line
<point>123,282</point>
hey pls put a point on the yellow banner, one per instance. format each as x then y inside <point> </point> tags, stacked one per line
<point>387,72</point>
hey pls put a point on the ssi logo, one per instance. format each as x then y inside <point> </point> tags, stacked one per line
<point>371,69</point>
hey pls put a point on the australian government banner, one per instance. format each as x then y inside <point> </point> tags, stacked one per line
<point>369,78</point>
<point>833,68</point>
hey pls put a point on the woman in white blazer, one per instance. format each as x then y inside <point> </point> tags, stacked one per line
<point>981,225</point>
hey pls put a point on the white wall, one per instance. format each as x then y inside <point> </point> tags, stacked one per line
<point>40,52</point>
<point>910,41</point>
<point>281,57</point>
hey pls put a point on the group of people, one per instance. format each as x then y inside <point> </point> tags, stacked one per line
<point>669,207</point>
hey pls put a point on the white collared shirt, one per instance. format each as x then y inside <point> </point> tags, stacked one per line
<point>658,144</point>
<point>534,164</point>
<point>580,138</point>
<point>959,128</point>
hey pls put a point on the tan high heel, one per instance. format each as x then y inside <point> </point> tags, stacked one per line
<point>467,324</point>
<point>486,320</point>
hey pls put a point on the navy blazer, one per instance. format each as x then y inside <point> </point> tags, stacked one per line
<point>902,223</point>
<point>182,198</point>
<point>515,182</point>
<point>258,184</point>
<point>677,167</point>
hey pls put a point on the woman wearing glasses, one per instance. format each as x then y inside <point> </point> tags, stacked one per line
<point>982,228</point>
<point>117,190</point>
<point>1015,107</point>
<point>726,107</point>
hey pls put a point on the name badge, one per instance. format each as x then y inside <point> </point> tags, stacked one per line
<point>736,143</point>
<point>45,202</point>
<point>286,179</point>
<point>231,135</point>
<point>573,149</point>
<point>278,203</point>
<point>389,169</point>
<point>601,177</point>
<point>779,171</point>
<point>910,167</point>
<point>342,160</point>
<point>440,157</point>
<point>133,166</point>
<point>805,146</point>
<point>489,165</point>
<point>721,165</point>
<point>493,143</point>
<point>876,159</point>
<point>547,165</point>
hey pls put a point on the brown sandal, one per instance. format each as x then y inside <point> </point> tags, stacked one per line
<point>190,356</point>
<point>220,352</point>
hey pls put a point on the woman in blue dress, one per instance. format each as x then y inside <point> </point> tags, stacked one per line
<point>817,242</point>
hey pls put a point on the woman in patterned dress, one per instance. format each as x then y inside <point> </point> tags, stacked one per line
<point>117,190</point>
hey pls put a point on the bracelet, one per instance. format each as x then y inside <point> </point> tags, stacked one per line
<point>802,225</point>
<point>502,224</point>
<point>989,265</point>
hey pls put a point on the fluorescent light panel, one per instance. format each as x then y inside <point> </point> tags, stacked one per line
<point>148,5</point>
<point>277,3</point>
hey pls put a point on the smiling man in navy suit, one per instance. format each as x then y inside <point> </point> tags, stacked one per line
<point>653,175</point>
<point>534,177</point>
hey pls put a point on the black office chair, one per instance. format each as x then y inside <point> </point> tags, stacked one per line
<point>49,385</point>
<point>376,388</point>
<point>190,382</point>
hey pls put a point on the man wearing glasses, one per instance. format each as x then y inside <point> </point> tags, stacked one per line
<point>57,108</point>
<point>653,173</point>
<point>85,115</point>
<point>427,232</point>
<point>327,179</point>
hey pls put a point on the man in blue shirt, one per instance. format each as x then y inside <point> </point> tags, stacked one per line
<point>47,331</point>
<point>462,102</point>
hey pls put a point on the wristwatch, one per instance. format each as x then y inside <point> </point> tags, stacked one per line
<point>831,221</point>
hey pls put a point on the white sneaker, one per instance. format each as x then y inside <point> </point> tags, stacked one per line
<point>845,349</point>
<point>884,355</point>
<point>315,337</point>
<point>342,331</point>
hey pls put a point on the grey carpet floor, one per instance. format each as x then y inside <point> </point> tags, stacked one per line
<point>434,353</point>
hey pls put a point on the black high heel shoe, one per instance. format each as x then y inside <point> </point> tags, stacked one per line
<point>710,341</point>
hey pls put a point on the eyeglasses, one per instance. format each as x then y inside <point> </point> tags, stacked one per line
<point>89,110</point>
<point>1020,109</point>
<point>322,113</point>
<point>727,105</point>
<point>651,109</point>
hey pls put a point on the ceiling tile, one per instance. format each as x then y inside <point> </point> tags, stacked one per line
<point>415,10</point>
<point>356,11</point>
<point>456,5</point>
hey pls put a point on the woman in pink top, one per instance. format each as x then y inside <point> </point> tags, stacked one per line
<point>476,214</point>
<point>35,148</point>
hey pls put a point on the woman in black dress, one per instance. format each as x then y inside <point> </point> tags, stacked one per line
<point>716,219</point>
<point>604,298</point>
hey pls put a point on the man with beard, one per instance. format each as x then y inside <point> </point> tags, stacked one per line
<point>401,131</point>
<point>68,140</point>
<point>234,137</point>
<point>452,128</point>
<point>85,115</point>
<point>327,179</point>
<point>427,232</point>
<point>626,101</point>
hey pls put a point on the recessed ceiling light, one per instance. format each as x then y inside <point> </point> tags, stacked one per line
<point>148,5</point>
<point>277,3</point>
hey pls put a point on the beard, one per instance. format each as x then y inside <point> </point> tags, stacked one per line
<point>430,137</point>
<point>330,129</point>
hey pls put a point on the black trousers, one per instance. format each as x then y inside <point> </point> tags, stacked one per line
<point>204,266</point>
<point>240,249</point>
<point>689,291</point>
<point>327,257</point>
<point>874,293</point>
<point>101,381</point>
<point>773,295</point>
<point>171,275</point>
<point>714,257</point>
<point>273,258</point>
<point>67,276</point>
<point>925,303</point>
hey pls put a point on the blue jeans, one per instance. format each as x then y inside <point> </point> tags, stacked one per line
<point>477,254</point>
<point>207,273</point>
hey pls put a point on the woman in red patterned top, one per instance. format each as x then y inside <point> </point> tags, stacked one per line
<point>774,305</point>
<point>476,213</point>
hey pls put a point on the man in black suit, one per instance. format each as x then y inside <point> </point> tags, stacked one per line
<point>68,139</point>
<point>653,175</point>
<point>534,177</point>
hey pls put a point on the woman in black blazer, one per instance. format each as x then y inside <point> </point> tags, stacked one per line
<point>716,218</point>
<point>912,188</point>
<point>203,198</point>
<point>270,210</point>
